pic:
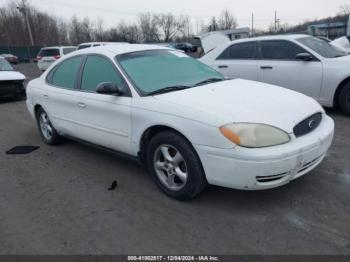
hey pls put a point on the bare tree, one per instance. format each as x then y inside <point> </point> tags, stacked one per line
<point>213,25</point>
<point>98,31</point>
<point>227,20</point>
<point>148,24</point>
<point>170,25</point>
<point>344,10</point>
<point>80,31</point>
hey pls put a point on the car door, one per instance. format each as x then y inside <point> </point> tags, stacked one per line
<point>238,61</point>
<point>104,119</point>
<point>278,65</point>
<point>60,95</point>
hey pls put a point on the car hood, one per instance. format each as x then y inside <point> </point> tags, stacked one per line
<point>11,75</point>
<point>242,101</point>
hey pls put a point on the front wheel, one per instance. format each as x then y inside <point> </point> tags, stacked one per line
<point>47,131</point>
<point>344,99</point>
<point>175,166</point>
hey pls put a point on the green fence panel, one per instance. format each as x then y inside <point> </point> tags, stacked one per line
<point>22,52</point>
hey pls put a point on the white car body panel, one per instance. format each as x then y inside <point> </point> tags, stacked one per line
<point>11,75</point>
<point>212,40</point>
<point>318,80</point>
<point>197,113</point>
<point>342,43</point>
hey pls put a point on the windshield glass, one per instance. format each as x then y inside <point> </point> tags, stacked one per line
<point>5,66</point>
<point>321,47</point>
<point>154,70</point>
<point>83,46</point>
<point>49,52</point>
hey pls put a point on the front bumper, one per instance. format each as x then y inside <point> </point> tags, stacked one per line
<point>266,168</point>
<point>10,89</point>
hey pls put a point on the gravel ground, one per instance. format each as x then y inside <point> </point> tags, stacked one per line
<point>55,201</point>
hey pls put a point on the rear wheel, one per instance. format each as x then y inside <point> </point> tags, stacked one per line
<point>175,166</point>
<point>47,131</point>
<point>344,98</point>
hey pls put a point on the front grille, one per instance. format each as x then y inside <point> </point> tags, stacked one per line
<point>11,87</point>
<point>308,125</point>
<point>268,179</point>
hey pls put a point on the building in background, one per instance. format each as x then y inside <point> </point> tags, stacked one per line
<point>330,30</point>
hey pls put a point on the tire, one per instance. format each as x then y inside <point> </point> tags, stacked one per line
<point>344,99</point>
<point>175,166</point>
<point>47,131</point>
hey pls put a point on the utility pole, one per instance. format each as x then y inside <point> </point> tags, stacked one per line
<point>23,10</point>
<point>277,22</point>
<point>252,24</point>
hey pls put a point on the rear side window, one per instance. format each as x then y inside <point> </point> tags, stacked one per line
<point>280,50</point>
<point>239,51</point>
<point>50,52</point>
<point>97,45</point>
<point>83,46</point>
<point>68,50</point>
<point>66,73</point>
<point>98,70</point>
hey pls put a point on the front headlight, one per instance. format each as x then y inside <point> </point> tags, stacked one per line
<point>254,135</point>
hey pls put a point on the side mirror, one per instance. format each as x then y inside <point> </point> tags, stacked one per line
<point>304,57</point>
<point>108,88</point>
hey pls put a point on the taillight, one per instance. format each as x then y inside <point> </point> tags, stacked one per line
<point>57,56</point>
<point>39,57</point>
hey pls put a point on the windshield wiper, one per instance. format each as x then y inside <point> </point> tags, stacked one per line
<point>168,89</point>
<point>209,80</point>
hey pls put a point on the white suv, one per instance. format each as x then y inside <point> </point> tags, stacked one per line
<point>96,44</point>
<point>48,55</point>
<point>298,62</point>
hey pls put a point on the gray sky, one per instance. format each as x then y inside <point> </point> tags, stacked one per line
<point>113,11</point>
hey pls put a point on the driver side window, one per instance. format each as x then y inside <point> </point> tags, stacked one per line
<point>98,70</point>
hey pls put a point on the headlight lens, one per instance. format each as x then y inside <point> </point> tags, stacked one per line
<point>254,135</point>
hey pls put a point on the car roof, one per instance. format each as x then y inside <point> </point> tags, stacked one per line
<point>102,43</point>
<point>272,37</point>
<point>119,49</point>
<point>57,47</point>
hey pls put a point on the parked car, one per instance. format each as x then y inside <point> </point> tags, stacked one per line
<point>10,58</point>
<point>298,62</point>
<point>11,82</point>
<point>186,47</point>
<point>96,44</point>
<point>343,43</point>
<point>48,55</point>
<point>326,39</point>
<point>183,120</point>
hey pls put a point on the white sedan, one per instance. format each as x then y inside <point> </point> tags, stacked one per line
<point>299,62</point>
<point>183,120</point>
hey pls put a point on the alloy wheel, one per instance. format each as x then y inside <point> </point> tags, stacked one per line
<point>170,167</point>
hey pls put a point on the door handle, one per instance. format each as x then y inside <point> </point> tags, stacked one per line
<point>222,66</point>
<point>82,105</point>
<point>46,96</point>
<point>266,67</point>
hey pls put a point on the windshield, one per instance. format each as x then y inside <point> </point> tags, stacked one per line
<point>5,66</point>
<point>83,46</point>
<point>49,52</point>
<point>154,70</point>
<point>321,47</point>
